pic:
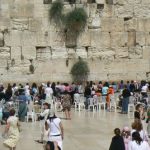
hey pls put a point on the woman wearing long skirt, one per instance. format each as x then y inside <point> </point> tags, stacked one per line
<point>12,128</point>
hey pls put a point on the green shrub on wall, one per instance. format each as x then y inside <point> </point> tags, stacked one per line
<point>80,71</point>
<point>55,12</point>
<point>74,22</point>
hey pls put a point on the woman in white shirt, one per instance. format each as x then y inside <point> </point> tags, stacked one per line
<point>56,133</point>
<point>137,143</point>
<point>137,126</point>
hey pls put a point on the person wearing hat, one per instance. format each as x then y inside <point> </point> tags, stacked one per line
<point>43,117</point>
<point>56,133</point>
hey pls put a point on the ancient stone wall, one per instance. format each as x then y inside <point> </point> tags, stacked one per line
<point>115,43</point>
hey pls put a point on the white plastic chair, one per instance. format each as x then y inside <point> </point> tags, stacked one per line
<point>32,116</point>
<point>76,100</point>
<point>113,103</point>
<point>102,103</point>
<point>91,104</point>
<point>131,105</point>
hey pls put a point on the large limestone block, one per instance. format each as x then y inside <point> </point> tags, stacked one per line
<point>121,52</point>
<point>92,10</point>
<point>4,6</point>
<point>42,39</point>
<point>59,52</point>
<point>131,24</point>
<point>100,1</point>
<point>147,37</point>
<point>28,38</point>
<point>94,23</point>
<point>81,52</point>
<point>140,38</point>
<point>29,52</point>
<point>14,38</point>
<point>1,39</point>
<point>5,53</point>
<point>119,39</point>
<point>136,52</point>
<point>35,24</point>
<point>5,22</point>
<point>84,39</point>
<point>107,55</point>
<point>124,10</point>
<point>19,24</point>
<point>108,11</point>
<point>56,38</point>
<point>22,9</point>
<point>16,52</point>
<point>143,25</point>
<point>112,24</point>
<point>38,9</point>
<point>100,39</point>
<point>141,11</point>
<point>146,52</point>
<point>43,53</point>
<point>145,2</point>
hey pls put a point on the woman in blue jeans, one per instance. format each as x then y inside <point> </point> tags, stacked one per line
<point>126,94</point>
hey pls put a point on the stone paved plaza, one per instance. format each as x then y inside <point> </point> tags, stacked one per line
<point>86,131</point>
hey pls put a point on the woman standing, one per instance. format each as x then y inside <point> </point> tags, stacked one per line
<point>56,133</point>
<point>137,143</point>
<point>12,128</point>
<point>66,104</point>
<point>126,94</point>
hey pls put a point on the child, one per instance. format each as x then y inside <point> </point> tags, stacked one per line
<point>148,121</point>
<point>117,142</point>
<point>126,136</point>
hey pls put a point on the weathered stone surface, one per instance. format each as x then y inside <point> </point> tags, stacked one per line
<point>140,38</point>
<point>58,52</point>
<point>130,24</point>
<point>29,52</point>
<point>16,52</point>
<point>94,23</point>
<point>81,52</point>
<point>100,39</point>
<point>1,39</point>
<point>122,52</point>
<point>4,52</point>
<point>112,24</point>
<point>135,52</point>
<point>119,39</point>
<point>146,52</point>
<point>19,24</point>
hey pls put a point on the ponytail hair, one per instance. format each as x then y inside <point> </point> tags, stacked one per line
<point>136,137</point>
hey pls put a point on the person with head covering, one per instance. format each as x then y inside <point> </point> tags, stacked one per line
<point>117,142</point>
<point>56,133</point>
<point>126,136</point>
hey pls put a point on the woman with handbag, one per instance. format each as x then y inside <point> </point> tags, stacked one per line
<point>12,128</point>
<point>56,133</point>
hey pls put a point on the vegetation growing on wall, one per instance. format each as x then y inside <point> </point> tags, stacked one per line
<point>74,22</point>
<point>80,71</point>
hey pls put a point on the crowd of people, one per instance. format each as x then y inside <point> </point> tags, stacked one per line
<point>45,95</point>
<point>137,137</point>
